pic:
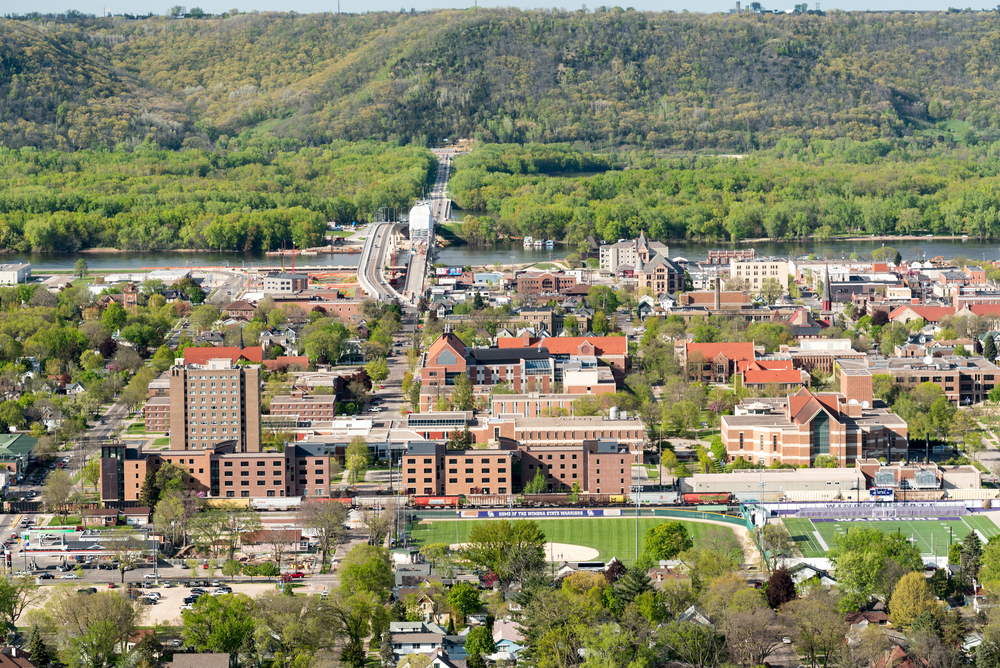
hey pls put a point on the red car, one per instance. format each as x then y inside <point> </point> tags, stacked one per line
<point>297,574</point>
<point>111,585</point>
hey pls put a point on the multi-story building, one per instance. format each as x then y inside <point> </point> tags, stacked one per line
<point>755,272</point>
<point>541,285</point>
<point>610,349</point>
<point>965,380</point>
<point>283,282</point>
<point>598,466</point>
<point>730,255</point>
<point>660,274</point>
<point>221,472</point>
<point>305,407</point>
<point>240,309</point>
<point>14,273</point>
<point>628,253</point>
<point>801,427</point>
<point>156,414</point>
<point>213,403</point>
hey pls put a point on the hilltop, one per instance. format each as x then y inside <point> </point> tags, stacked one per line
<point>611,78</point>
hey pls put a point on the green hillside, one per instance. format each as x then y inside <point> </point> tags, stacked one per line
<point>654,80</point>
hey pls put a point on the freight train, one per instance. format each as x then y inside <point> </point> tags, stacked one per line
<point>507,501</point>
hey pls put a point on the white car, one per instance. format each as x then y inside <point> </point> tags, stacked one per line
<point>71,576</point>
<point>153,594</point>
<point>150,576</point>
<point>167,585</point>
<point>187,607</point>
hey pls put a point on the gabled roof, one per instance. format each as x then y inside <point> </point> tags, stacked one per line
<point>448,340</point>
<point>928,313</point>
<point>733,351</point>
<point>984,309</point>
<point>240,305</point>
<point>569,345</point>
<point>803,406</point>
<point>287,360</point>
<point>779,376</point>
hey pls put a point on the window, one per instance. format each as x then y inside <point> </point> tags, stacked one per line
<point>469,481</point>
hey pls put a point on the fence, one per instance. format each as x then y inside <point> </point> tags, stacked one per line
<point>699,515</point>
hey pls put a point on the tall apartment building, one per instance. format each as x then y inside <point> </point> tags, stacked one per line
<point>629,253</point>
<point>215,402</point>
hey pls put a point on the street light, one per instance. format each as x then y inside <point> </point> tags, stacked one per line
<point>635,490</point>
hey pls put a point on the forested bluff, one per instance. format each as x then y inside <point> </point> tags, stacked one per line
<point>246,131</point>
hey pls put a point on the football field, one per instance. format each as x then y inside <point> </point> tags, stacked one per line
<point>930,536</point>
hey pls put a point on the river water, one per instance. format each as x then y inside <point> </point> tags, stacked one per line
<point>460,255</point>
<point>910,250</point>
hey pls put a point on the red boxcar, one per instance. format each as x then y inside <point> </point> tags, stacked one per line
<point>721,497</point>
<point>441,501</point>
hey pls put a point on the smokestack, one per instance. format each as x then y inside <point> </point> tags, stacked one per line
<point>718,294</point>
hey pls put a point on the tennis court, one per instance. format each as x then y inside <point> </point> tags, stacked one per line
<point>932,536</point>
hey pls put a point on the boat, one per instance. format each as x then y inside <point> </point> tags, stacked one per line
<point>527,242</point>
<point>539,243</point>
<point>550,243</point>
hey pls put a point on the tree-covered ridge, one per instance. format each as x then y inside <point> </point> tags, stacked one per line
<point>824,188</point>
<point>241,200</point>
<point>688,81</point>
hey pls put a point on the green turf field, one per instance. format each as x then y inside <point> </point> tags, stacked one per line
<point>612,537</point>
<point>931,536</point>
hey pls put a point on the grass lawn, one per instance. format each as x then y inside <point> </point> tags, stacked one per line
<point>612,537</point>
<point>343,234</point>
<point>137,428</point>
<point>69,520</point>
<point>161,441</point>
<point>930,536</point>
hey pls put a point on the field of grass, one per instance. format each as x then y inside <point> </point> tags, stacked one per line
<point>612,537</point>
<point>930,536</point>
<point>69,520</point>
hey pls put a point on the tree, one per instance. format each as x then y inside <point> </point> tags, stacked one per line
<point>16,595</point>
<point>820,630</point>
<point>80,268</point>
<point>770,290</point>
<point>367,568</point>
<point>602,298</point>
<point>231,568</point>
<point>861,554</point>
<point>114,317</point>
<point>972,554</point>
<point>512,550</point>
<point>912,596</point>
<point>357,457</point>
<point>149,493</point>
<point>39,653</point>
<point>478,645</point>
<point>358,616</point>
<point>91,473</point>
<point>774,545</point>
<point>127,546</point>
<point>780,588</point>
<point>378,370</point>
<point>692,644</point>
<point>989,348</point>
<point>57,490</point>
<point>386,653</point>
<point>667,540</point>
<point>219,623</point>
<point>204,317</point>
<point>464,600</point>
<point>752,636</point>
<point>537,484</point>
<point>92,628</point>
<point>462,397</point>
<point>328,521</point>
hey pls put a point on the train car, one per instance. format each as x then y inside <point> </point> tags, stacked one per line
<point>657,498</point>
<point>706,498</point>
<point>380,501</point>
<point>435,501</point>
<point>277,503</point>
<point>228,503</point>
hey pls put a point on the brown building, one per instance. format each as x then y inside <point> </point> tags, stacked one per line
<point>965,380</point>
<point>536,285</point>
<point>612,350</point>
<point>801,427</point>
<point>219,472</point>
<point>240,309</point>
<point>714,362</point>
<point>156,413</point>
<point>215,402</point>
<point>305,406</point>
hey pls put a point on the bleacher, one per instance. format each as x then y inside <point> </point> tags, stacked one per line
<point>879,510</point>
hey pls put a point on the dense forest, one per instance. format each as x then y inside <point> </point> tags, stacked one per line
<point>611,77</point>
<point>823,188</point>
<point>153,199</point>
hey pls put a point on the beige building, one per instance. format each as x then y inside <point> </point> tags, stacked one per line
<point>215,402</point>
<point>757,271</point>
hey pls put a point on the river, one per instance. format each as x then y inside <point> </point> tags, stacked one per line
<point>461,255</point>
<point>910,250</point>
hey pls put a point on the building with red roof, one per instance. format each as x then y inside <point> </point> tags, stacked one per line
<point>286,361</point>
<point>715,362</point>
<point>779,375</point>
<point>930,314</point>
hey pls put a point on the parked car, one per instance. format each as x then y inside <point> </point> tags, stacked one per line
<point>71,576</point>
<point>150,576</point>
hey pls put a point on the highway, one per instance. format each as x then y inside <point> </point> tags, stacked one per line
<point>370,266</point>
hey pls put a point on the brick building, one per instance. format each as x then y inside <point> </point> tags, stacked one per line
<point>215,402</point>
<point>714,362</point>
<point>610,349</point>
<point>535,285</point>
<point>240,309</point>
<point>305,406</point>
<point>965,380</point>
<point>156,413</point>
<point>220,472</point>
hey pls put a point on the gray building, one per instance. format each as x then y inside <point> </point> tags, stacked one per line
<point>285,283</point>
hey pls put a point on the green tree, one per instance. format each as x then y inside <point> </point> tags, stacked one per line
<point>462,397</point>
<point>512,550</point>
<point>16,595</point>
<point>357,457</point>
<point>537,484</point>
<point>667,540</point>
<point>464,600</point>
<point>231,568</point>
<point>602,298</point>
<point>478,645</point>
<point>989,348</point>
<point>219,623</point>
<point>860,555</point>
<point>378,369</point>
<point>39,653</point>
<point>114,317</point>
<point>366,568</point>
<point>80,268</point>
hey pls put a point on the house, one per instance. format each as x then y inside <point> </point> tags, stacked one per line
<point>213,338</point>
<point>74,389</point>
<point>12,657</point>
<point>695,615</point>
<point>871,616</point>
<point>242,310</point>
<point>139,516</point>
<point>136,638</point>
<point>930,314</point>
<point>14,451</point>
<point>508,639</point>
<point>101,517</point>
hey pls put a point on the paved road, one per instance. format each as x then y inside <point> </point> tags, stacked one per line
<point>228,291</point>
